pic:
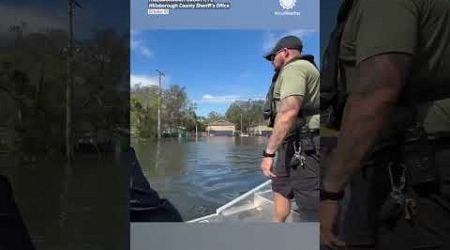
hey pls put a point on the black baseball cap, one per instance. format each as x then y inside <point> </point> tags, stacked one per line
<point>287,42</point>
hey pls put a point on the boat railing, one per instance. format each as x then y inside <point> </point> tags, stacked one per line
<point>230,204</point>
<point>242,197</point>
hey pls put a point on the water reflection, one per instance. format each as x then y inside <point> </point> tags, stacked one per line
<point>72,206</point>
<point>198,176</point>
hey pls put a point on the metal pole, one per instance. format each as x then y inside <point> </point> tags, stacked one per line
<point>159,109</point>
<point>241,124</point>
<point>161,74</point>
<point>68,131</point>
<point>196,135</point>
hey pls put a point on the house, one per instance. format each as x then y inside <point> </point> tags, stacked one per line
<point>177,131</point>
<point>221,128</point>
<point>261,129</point>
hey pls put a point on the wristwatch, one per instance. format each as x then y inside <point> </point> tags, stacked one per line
<point>332,196</point>
<point>265,154</point>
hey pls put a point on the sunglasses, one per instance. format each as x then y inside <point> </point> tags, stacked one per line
<point>276,53</point>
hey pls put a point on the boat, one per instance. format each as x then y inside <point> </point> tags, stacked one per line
<point>255,205</point>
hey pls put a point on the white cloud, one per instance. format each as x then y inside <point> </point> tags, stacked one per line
<point>245,74</point>
<point>143,80</point>
<point>254,98</point>
<point>271,38</point>
<point>137,45</point>
<point>218,99</point>
<point>302,33</point>
<point>134,43</point>
<point>226,99</point>
<point>146,52</point>
<point>135,32</point>
<point>208,97</point>
<point>35,20</point>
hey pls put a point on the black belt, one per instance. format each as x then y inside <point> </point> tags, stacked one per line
<point>306,112</point>
<point>303,135</point>
<point>439,140</point>
<point>314,131</point>
<point>306,131</point>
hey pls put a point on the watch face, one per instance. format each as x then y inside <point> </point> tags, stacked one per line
<point>265,154</point>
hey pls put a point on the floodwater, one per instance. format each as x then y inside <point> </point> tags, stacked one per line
<point>198,176</point>
<point>78,206</point>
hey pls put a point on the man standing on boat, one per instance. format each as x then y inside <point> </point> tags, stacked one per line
<point>292,107</point>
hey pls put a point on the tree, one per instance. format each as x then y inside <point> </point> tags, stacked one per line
<point>177,110</point>
<point>34,71</point>
<point>174,104</point>
<point>202,123</point>
<point>251,111</point>
<point>214,116</point>
<point>144,106</point>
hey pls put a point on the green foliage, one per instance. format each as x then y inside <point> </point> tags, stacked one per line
<point>143,110</point>
<point>214,116</point>
<point>33,74</point>
<point>202,123</point>
<point>252,113</point>
<point>177,111</point>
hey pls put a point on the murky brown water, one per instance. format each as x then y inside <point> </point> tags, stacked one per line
<point>81,206</point>
<point>200,176</point>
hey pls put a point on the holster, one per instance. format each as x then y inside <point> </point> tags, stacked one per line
<point>418,157</point>
<point>415,164</point>
<point>305,143</point>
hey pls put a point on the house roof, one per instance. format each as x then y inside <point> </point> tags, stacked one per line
<point>264,124</point>
<point>262,127</point>
<point>221,123</point>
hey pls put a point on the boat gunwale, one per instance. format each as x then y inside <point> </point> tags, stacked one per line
<point>221,209</point>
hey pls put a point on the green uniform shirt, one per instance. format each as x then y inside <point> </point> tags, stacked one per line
<point>420,28</point>
<point>300,78</point>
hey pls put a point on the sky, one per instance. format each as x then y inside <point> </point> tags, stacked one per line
<point>52,14</point>
<point>216,67</point>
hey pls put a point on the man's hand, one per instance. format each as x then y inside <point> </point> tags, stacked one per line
<point>329,213</point>
<point>266,167</point>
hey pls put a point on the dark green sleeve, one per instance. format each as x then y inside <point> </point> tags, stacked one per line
<point>386,26</point>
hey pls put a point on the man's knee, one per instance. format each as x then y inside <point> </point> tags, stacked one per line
<point>282,207</point>
<point>280,216</point>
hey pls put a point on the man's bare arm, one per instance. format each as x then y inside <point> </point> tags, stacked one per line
<point>381,80</point>
<point>285,119</point>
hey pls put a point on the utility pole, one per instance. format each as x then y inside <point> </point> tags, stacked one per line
<point>161,74</point>
<point>69,83</point>
<point>241,125</point>
<point>196,132</point>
